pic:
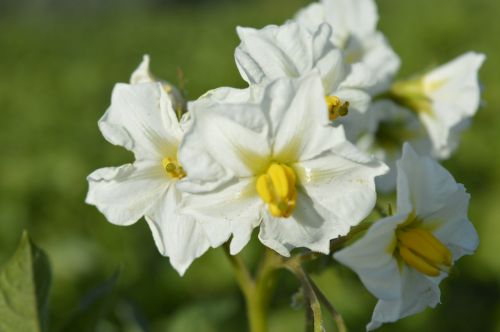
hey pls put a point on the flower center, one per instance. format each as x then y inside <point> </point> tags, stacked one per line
<point>173,168</point>
<point>277,188</point>
<point>412,95</point>
<point>336,108</point>
<point>421,250</point>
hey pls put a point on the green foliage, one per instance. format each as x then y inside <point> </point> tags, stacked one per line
<point>24,289</point>
<point>95,306</point>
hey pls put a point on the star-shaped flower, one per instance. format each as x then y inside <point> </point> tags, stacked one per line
<point>142,120</point>
<point>403,258</point>
<point>276,164</point>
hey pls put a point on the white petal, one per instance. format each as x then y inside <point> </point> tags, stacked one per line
<point>250,70</point>
<point>142,120</point>
<point>380,60</point>
<point>321,41</point>
<point>274,52</point>
<point>341,181</point>
<point>333,70</point>
<point>418,293</point>
<point>356,121</point>
<point>298,116</point>
<point>423,184</point>
<point>305,228</point>
<point>224,140</point>
<point>124,194</point>
<point>142,74</point>
<point>252,94</point>
<point>461,238</point>
<point>329,61</point>
<point>451,225</point>
<point>371,257</point>
<point>354,31</point>
<point>234,209</point>
<point>456,82</point>
<point>292,51</point>
<point>455,94</point>
<point>176,235</point>
<point>311,16</point>
<point>358,17</point>
<point>359,76</point>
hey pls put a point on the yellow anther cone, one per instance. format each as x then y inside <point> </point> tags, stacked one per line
<point>420,249</point>
<point>264,188</point>
<point>279,179</point>
<point>277,188</point>
<point>418,263</point>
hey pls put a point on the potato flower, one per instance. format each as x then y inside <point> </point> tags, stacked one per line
<point>402,258</point>
<point>142,120</point>
<point>274,164</point>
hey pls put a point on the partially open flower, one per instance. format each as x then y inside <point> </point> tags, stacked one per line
<point>402,258</point>
<point>444,99</point>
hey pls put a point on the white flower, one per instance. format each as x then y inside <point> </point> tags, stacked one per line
<point>143,75</point>
<point>142,120</point>
<point>275,164</point>
<point>389,126</point>
<point>402,258</point>
<point>292,51</point>
<point>445,99</point>
<point>354,24</point>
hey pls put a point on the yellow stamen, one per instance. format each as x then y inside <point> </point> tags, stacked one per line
<point>421,250</point>
<point>277,188</point>
<point>173,168</point>
<point>336,108</point>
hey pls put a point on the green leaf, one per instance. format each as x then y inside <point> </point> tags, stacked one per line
<point>24,289</point>
<point>94,306</point>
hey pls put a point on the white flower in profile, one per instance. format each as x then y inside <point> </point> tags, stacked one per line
<point>354,24</point>
<point>142,120</point>
<point>276,164</point>
<point>142,74</point>
<point>445,99</point>
<point>403,258</point>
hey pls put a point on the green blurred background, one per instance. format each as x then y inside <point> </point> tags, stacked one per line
<point>59,61</point>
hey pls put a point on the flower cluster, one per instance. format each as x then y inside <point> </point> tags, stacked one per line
<point>301,153</point>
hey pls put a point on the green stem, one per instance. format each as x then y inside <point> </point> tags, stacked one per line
<point>258,291</point>
<point>339,321</point>
<point>309,293</point>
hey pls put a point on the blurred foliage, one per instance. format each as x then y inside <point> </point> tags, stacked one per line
<point>25,286</point>
<point>59,61</point>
